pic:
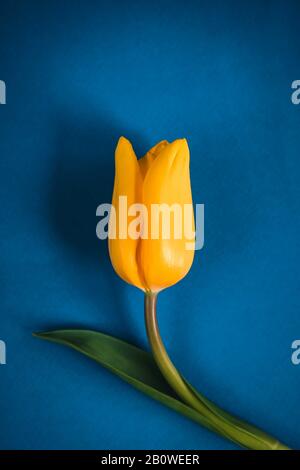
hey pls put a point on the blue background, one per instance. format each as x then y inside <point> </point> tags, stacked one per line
<point>79,75</point>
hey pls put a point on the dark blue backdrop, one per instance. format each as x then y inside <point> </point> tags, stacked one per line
<point>80,74</point>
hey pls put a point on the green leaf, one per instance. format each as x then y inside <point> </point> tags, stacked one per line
<point>134,365</point>
<point>138,368</point>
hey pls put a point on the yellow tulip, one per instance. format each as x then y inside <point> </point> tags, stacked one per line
<point>160,177</point>
<point>152,261</point>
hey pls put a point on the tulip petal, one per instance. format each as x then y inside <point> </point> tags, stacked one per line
<point>146,161</point>
<point>128,182</point>
<point>165,261</point>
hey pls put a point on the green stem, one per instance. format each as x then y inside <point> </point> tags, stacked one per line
<point>222,422</point>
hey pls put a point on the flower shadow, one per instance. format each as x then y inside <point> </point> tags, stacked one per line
<point>82,178</point>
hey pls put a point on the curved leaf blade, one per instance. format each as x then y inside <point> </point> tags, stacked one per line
<point>134,365</point>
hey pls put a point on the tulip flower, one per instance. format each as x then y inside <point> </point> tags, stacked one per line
<point>152,261</point>
<point>161,177</point>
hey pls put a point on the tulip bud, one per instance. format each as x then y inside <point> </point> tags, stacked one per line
<point>162,254</point>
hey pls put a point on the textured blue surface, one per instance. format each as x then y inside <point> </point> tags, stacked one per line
<point>80,74</point>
